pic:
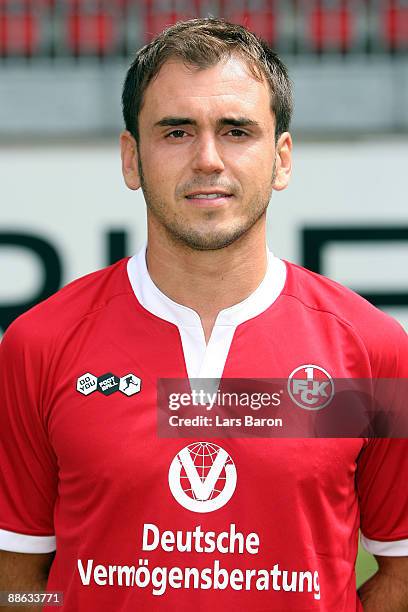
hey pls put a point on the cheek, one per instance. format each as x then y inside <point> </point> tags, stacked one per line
<point>254,169</point>
<point>257,158</point>
<point>265,157</point>
<point>157,175</point>
<point>162,168</point>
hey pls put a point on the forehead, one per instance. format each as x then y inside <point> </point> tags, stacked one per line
<point>228,86</point>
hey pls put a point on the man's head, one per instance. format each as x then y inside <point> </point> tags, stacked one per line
<point>203,43</point>
<point>207,106</point>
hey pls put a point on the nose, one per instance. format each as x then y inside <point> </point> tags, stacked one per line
<point>207,158</point>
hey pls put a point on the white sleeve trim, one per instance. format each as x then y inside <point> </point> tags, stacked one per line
<point>19,542</point>
<point>398,548</point>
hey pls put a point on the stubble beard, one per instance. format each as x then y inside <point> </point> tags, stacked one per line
<point>178,231</point>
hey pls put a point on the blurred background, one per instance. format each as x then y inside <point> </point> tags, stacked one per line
<point>64,208</point>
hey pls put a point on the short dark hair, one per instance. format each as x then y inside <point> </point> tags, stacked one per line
<point>203,43</point>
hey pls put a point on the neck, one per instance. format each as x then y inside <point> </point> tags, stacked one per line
<point>208,281</point>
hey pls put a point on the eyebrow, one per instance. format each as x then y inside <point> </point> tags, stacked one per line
<point>235,121</point>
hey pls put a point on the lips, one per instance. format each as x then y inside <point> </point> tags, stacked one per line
<point>208,196</point>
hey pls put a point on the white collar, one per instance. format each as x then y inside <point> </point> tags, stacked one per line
<point>203,359</point>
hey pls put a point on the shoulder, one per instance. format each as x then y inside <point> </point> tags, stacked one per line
<point>44,323</point>
<point>382,336</point>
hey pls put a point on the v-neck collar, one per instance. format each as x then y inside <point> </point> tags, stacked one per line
<point>205,360</point>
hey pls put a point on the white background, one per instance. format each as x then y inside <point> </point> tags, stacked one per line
<point>73,194</point>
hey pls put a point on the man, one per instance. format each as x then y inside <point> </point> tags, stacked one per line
<point>138,523</point>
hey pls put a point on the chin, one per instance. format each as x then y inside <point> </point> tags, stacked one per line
<point>212,241</point>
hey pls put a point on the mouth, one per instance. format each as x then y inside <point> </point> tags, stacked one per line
<point>211,198</point>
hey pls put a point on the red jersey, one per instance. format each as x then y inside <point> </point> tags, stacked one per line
<point>133,517</point>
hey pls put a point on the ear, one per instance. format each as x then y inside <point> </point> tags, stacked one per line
<point>283,167</point>
<point>129,154</point>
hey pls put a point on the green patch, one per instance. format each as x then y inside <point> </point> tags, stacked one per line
<point>366,566</point>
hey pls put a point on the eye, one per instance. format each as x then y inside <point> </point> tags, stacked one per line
<point>176,134</point>
<point>237,133</point>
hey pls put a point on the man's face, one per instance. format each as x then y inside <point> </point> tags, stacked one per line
<point>207,152</point>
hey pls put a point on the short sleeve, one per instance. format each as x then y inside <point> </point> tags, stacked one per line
<point>382,477</point>
<point>382,473</point>
<point>28,485</point>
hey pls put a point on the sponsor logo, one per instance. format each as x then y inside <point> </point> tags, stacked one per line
<point>109,383</point>
<point>86,383</point>
<point>130,384</point>
<point>202,477</point>
<point>310,387</point>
